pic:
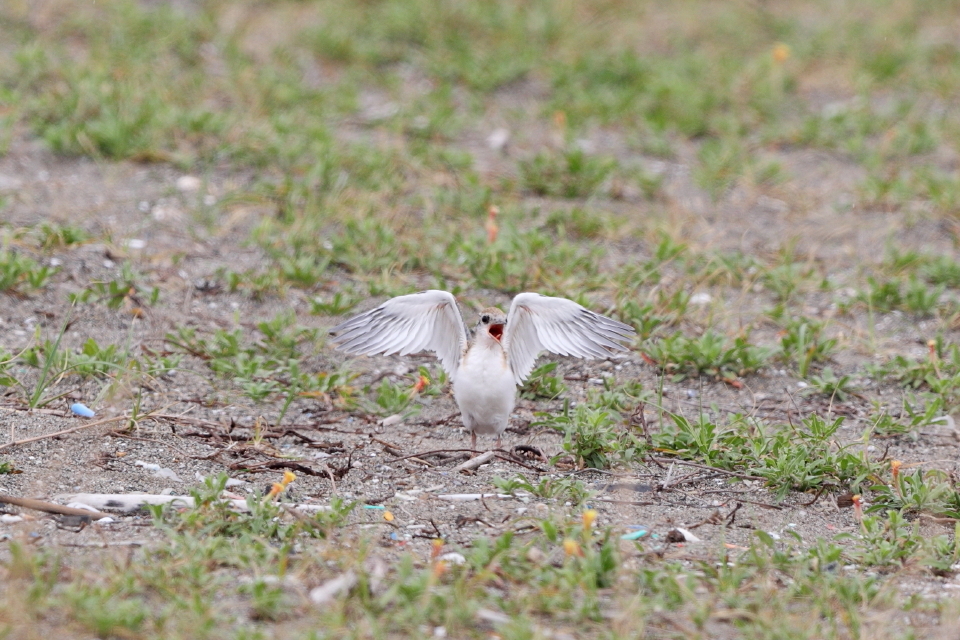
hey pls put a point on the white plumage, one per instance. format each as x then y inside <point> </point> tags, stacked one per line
<point>486,372</point>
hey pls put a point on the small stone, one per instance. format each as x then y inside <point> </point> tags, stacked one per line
<point>498,139</point>
<point>188,183</point>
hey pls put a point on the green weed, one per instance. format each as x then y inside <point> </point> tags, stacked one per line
<point>569,489</point>
<point>788,457</point>
<point>572,174</point>
<point>540,384</point>
<point>711,354</point>
<point>592,436</point>
<point>21,274</point>
<point>827,383</point>
<point>802,343</point>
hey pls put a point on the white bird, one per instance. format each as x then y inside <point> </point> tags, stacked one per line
<point>485,372</point>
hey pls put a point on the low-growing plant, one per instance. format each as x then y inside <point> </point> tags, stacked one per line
<point>556,488</point>
<point>56,236</point>
<point>916,491</point>
<point>886,542</point>
<point>393,398</point>
<point>123,290</point>
<point>785,279</point>
<point>937,374</point>
<point>802,342</point>
<point>711,354</point>
<point>593,437</point>
<point>829,384</point>
<point>541,385</point>
<point>789,457</point>
<point>213,516</point>
<point>569,174</point>
<point>338,304</point>
<point>22,274</point>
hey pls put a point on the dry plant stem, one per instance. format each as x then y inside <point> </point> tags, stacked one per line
<point>430,453</point>
<point>636,503</point>
<point>733,474</point>
<point>473,463</point>
<point>64,432</point>
<point>51,507</point>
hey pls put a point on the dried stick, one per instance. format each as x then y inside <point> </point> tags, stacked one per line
<point>65,431</point>
<point>734,474</point>
<point>430,453</point>
<point>473,463</point>
<point>51,507</point>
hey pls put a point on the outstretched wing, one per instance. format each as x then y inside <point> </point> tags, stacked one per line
<point>539,323</point>
<point>425,321</point>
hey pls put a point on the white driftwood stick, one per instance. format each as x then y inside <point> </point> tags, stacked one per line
<point>132,502</point>
<point>50,507</point>
<point>473,463</point>
<point>468,497</point>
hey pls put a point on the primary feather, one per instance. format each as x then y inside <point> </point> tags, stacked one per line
<point>539,323</point>
<point>425,321</point>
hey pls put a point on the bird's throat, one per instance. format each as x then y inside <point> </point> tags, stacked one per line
<point>496,330</point>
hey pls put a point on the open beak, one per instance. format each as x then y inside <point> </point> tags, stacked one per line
<point>496,330</point>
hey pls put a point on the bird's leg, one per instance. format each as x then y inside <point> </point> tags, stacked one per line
<point>473,440</point>
<point>497,445</point>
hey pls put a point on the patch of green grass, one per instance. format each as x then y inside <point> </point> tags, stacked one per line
<point>890,543</point>
<point>829,384</point>
<point>134,93</point>
<point>268,367</point>
<point>123,290</point>
<point>393,398</point>
<point>570,174</point>
<point>916,491</point>
<point>913,296</point>
<point>802,343</point>
<point>914,414</point>
<point>212,516</point>
<point>540,384</point>
<point>786,279</point>
<point>790,457</point>
<point>724,160</point>
<point>483,47</point>
<point>712,354</point>
<point>338,304</point>
<point>593,436</point>
<point>6,363</point>
<point>578,223</point>
<point>59,236</point>
<point>523,260</point>
<point>552,488</point>
<point>21,274</point>
<point>938,374</point>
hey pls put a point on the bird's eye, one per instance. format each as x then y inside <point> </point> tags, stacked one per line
<point>484,319</point>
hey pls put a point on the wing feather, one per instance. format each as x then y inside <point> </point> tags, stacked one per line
<point>425,321</point>
<point>539,323</point>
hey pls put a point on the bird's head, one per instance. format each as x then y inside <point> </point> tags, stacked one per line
<point>492,320</point>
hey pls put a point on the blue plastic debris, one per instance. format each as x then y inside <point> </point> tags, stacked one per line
<point>394,536</point>
<point>82,410</point>
<point>374,506</point>
<point>634,535</point>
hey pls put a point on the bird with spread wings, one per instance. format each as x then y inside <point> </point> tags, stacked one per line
<point>487,370</point>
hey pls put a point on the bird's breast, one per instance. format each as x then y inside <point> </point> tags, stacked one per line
<point>485,370</point>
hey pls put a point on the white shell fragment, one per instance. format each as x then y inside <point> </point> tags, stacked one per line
<point>332,588</point>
